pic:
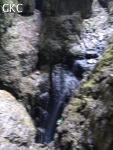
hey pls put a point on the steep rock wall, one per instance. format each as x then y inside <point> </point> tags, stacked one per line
<point>87,120</point>
<point>19,73</point>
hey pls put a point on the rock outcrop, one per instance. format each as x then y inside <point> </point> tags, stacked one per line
<point>56,37</point>
<point>90,111</point>
<point>19,70</point>
<point>61,29</point>
<point>19,54</point>
<point>87,120</point>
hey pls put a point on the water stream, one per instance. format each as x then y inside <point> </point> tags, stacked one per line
<point>66,78</point>
<point>64,82</point>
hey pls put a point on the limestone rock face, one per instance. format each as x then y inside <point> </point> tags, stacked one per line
<point>61,29</point>
<point>16,126</point>
<point>19,57</point>
<point>87,120</point>
<point>65,7</point>
<point>18,52</point>
<point>57,37</point>
<point>19,73</point>
<point>62,25</point>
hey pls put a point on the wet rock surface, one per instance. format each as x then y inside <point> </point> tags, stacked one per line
<point>79,44</point>
<point>89,113</point>
<point>25,71</point>
<point>63,84</point>
<point>88,117</point>
<point>77,39</point>
<point>87,120</point>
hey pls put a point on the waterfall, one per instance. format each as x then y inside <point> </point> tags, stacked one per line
<point>64,83</point>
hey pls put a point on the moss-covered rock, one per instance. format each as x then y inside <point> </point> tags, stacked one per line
<point>87,120</point>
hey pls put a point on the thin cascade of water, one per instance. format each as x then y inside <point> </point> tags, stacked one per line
<point>64,83</point>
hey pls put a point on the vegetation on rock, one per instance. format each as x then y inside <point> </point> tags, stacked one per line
<point>88,115</point>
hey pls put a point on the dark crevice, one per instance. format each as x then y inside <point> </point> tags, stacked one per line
<point>4,86</point>
<point>26,11</point>
<point>38,4</point>
<point>103,3</point>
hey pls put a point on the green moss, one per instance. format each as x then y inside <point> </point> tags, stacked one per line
<point>106,61</point>
<point>74,104</point>
<point>85,90</point>
<point>89,83</point>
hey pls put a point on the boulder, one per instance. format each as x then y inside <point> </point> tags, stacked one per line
<point>16,126</point>
<point>61,29</point>
<point>56,35</point>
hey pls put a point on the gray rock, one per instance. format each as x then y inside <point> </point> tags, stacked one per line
<point>56,35</point>
<point>16,126</point>
<point>80,67</point>
<point>91,61</point>
<point>19,58</point>
<point>110,79</point>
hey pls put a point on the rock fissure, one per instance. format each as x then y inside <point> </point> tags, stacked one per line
<point>44,58</point>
